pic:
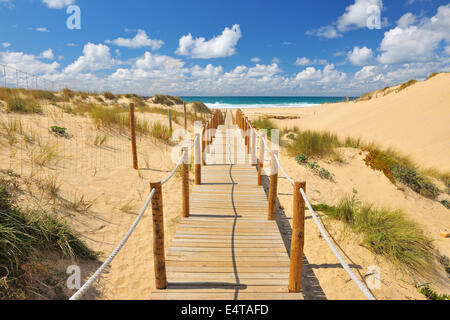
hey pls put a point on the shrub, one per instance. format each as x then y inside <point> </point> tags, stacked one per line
<point>109,95</point>
<point>401,169</point>
<point>58,130</point>
<point>67,93</point>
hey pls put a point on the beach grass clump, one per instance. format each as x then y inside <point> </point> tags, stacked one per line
<point>161,132</point>
<point>17,103</point>
<point>401,169</point>
<point>264,124</point>
<point>67,94</point>
<point>313,144</point>
<point>22,235</point>
<point>108,95</point>
<point>386,232</point>
<point>200,107</point>
<point>406,85</point>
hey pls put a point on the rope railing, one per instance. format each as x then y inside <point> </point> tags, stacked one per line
<point>107,262</point>
<point>321,228</point>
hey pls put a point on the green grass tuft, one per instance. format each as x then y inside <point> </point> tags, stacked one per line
<point>386,232</point>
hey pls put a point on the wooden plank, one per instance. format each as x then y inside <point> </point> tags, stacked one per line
<point>226,296</point>
<point>227,249</point>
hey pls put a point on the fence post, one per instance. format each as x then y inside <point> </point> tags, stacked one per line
<point>204,134</point>
<point>185,182</point>
<point>253,147</point>
<point>198,161</point>
<point>261,159</point>
<point>133,137</point>
<point>170,120</point>
<point>273,191</point>
<point>298,239</point>
<point>158,236</point>
<point>185,117</point>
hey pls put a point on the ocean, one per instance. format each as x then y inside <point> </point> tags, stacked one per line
<point>263,102</point>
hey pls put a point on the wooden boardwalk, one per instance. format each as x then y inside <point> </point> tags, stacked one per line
<point>227,249</point>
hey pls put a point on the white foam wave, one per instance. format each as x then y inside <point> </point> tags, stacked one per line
<point>218,105</point>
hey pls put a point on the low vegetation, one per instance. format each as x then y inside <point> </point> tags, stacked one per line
<point>386,232</point>
<point>401,169</point>
<point>321,172</point>
<point>166,100</point>
<point>200,107</point>
<point>396,167</point>
<point>264,124</point>
<point>23,236</point>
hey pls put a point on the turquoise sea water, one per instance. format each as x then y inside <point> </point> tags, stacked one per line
<point>262,102</point>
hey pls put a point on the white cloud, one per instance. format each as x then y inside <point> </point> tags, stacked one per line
<point>42,29</point>
<point>360,56</point>
<point>305,61</point>
<point>255,60</point>
<point>406,20</point>
<point>412,43</point>
<point>326,77</point>
<point>447,50</point>
<point>276,60</point>
<point>95,57</point>
<point>366,73</point>
<point>302,61</point>
<point>139,41</point>
<point>209,72</point>
<point>48,54</point>
<point>27,62</point>
<point>357,15</point>
<point>328,32</point>
<point>58,4</point>
<point>6,44</point>
<point>223,45</point>
<point>309,73</point>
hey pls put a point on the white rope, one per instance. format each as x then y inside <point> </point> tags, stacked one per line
<point>344,264</point>
<point>282,169</point>
<point>174,170</point>
<point>195,140</point>
<point>97,273</point>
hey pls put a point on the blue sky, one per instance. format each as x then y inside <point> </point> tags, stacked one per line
<point>199,47</point>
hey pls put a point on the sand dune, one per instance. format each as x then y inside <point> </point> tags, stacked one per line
<point>414,121</point>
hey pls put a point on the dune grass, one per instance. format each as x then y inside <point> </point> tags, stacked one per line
<point>313,144</point>
<point>22,235</point>
<point>386,232</point>
<point>264,124</point>
<point>396,166</point>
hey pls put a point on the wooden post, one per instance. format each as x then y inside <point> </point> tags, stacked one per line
<point>273,191</point>
<point>298,239</point>
<point>204,145</point>
<point>253,148</point>
<point>133,137</point>
<point>198,160</point>
<point>261,159</point>
<point>158,236</point>
<point>185,117</point>
<point>185,182</point>
<point>170,120</point>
